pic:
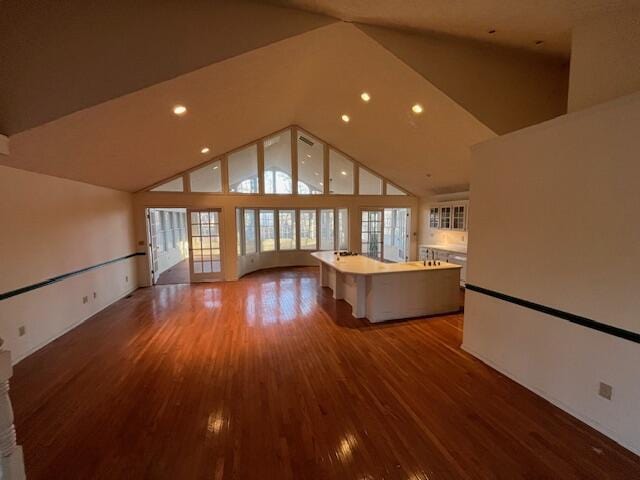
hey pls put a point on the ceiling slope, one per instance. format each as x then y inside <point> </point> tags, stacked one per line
<point>504,88</point>
<point>519,24</point>
<point>60,57</point>
<point>311,79</point>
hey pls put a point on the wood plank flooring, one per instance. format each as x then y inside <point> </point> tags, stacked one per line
<point>270,378</point>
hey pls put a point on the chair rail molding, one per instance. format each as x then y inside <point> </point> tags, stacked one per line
<point>11,458</point>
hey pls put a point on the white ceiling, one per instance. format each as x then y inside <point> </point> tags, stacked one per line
<point>134,141</point>
<point>517,23</point>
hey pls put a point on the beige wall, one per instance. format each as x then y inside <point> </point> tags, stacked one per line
<point>228,204</point>
<point>605,59</point>
<point>504,88</point>
<point>53,226</point>
<point>554,221</point>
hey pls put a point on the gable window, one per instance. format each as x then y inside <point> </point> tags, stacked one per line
<point>243,170</point>
<point>175,185</point>
<point>277,163</point>
<point>393,190</point>
<point>310,165</point>
<point>368,183</point>
<point>207,179</point>
<point>340,174</point>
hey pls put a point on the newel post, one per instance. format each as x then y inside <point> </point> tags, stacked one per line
<point>11,460</point>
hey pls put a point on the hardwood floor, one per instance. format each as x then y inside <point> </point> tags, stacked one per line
<point>270,378</point>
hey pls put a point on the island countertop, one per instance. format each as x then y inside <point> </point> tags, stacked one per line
<point>362,265</point>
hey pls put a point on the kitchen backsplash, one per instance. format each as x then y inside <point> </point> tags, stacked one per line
<point>446,237</point>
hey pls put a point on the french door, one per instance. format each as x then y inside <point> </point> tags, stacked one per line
<point>371,233</point>
<point>205,246</point>
<point>385,234</point>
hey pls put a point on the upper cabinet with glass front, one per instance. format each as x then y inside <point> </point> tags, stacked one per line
<point>449,216</point>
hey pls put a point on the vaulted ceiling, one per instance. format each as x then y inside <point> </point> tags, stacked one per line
<point>519,24</point>
<point>90,89</point>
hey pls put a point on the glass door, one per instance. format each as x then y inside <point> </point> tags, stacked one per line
<point>205,259</point>
<point>371,233</point>
<point>153,217</point>
<point>396,234</point>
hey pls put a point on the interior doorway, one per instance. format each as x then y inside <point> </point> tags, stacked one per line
<point>168,245</point>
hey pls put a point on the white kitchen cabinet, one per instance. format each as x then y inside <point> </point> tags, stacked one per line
<point>449,216</point>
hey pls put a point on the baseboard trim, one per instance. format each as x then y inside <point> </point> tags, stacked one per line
<point>629,445</point>
<point>44,343</point>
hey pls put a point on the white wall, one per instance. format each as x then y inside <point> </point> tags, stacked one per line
<point>53,226</point>
<point>555,221</point>
<point>605,59</point>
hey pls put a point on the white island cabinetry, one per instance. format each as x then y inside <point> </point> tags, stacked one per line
<point>390,291</point>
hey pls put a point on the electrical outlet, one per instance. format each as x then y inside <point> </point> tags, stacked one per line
<point>22,330</point>
<point>85,299</point>
<point>95,295</point>
<point>605,391</point>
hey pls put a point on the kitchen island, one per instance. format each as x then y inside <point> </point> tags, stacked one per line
<point>390,291</point>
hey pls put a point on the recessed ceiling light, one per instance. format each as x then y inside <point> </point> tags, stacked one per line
<point>179,109</point>
<point>316,174</point>
<point>365,96</point>
<point>320,183</point>
<point>215,167</point>
<point>345,118</point>
<point>417,108</point>
<point>308,155</point>
<point>204,150</point>
<point>343,172</point>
